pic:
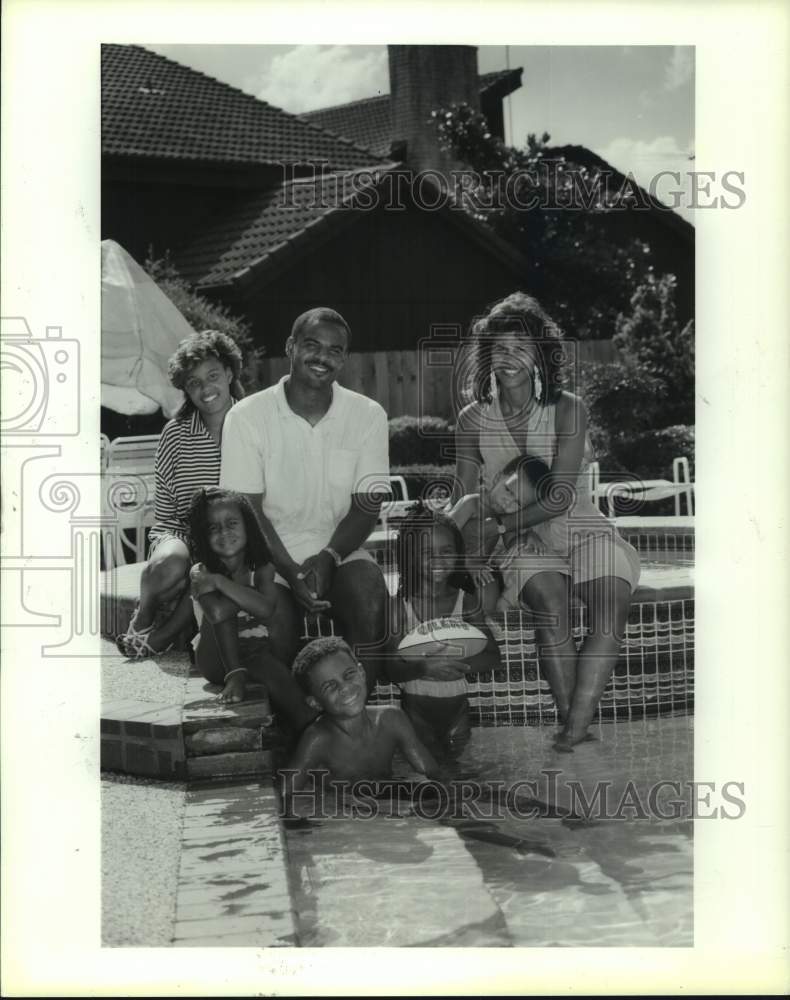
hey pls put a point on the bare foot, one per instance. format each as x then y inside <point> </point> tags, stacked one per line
<point>587,738</point>
<point>234,689</point>
<point>567,740</point>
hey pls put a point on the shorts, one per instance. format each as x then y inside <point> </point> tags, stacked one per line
<point>154,541</point>
<point>592,558</point>
<point>358,555</point>
<point>252,641</point>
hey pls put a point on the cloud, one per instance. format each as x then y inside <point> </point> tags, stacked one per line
<point>680,68</point>
<point>645,160</point>
<point>318,76</point>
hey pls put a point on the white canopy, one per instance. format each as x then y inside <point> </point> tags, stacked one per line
<point>140,330</point>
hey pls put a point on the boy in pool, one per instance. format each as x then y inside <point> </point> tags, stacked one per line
<point>351,741</point>
<point>357,743</point>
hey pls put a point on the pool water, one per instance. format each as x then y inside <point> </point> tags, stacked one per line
<point>401,879</point>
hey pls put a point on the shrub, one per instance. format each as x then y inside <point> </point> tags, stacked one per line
<point>204,315</point>
<point>421,441</point>
<point>650,338</point>
<point>621,400</point>
<point>650,455</point>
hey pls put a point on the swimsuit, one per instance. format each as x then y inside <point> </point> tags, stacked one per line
<point>426,686</point>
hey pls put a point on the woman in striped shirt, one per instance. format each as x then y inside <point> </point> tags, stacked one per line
<point>207,367</point>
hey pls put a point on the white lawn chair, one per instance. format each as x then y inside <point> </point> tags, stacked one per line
<point>104,453</point>
<point>128,497</point>
<point>650,490</point>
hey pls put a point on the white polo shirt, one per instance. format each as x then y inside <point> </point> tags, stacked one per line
<point>306,474</point>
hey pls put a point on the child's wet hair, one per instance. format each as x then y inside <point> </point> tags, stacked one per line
<point>256,552</point>
<point>535,469</point>
<point>316,651</point>
<point>411,548</point>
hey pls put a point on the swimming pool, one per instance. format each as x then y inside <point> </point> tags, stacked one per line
<point>398,879</point>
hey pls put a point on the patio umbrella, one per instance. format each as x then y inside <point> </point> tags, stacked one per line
<point>141,328</point>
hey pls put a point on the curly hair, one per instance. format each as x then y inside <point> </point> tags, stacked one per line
<point>256,553</point>
<point>517,315</point>
<point>196,348</point>
<point>316,651</point>
<point>412,545</point>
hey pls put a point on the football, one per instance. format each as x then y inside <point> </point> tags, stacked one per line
<point>452,638</point>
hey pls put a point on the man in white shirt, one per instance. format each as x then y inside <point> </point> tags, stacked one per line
<point>313,459</point>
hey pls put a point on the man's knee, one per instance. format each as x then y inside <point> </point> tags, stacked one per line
<point>359,593</point>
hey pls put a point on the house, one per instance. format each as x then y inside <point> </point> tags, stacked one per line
<point>270,213</point>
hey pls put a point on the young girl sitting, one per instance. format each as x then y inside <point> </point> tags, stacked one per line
<point>433,584</point>
<point>545,546</point>
<point>234,596</point>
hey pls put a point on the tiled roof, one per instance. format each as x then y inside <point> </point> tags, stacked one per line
<point>154,107</point>
<point>289,219</point>
<point>367,122</point>
<point>504,80</point>
<point>264,224</point>
<point>614,181</point>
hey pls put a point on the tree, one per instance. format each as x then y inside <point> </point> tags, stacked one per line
<point>651,339</point>
<point>558,214</point>
<point>642,407</point>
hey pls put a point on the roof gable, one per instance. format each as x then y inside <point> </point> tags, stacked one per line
<point>272,229</point>
<point>155,108</point>
<point>368,122</point>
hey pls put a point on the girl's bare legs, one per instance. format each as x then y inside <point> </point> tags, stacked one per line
<point>607,600</point>
<point>549,595</point>
<point>218,654</point>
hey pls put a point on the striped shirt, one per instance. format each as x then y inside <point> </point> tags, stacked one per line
<point>187,458</point>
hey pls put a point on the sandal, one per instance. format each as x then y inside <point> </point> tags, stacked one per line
<point>134,644</point>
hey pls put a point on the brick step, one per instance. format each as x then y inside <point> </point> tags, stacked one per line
<point>227,765</point>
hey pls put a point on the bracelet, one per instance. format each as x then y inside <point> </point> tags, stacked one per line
<point>336,557</point>
<point>500,525</point>
<point>238,670</point>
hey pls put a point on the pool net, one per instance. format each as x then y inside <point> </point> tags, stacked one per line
<point>654,674</point>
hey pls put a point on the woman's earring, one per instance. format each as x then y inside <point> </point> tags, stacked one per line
<point>538,385</point>
<point>494,386</point>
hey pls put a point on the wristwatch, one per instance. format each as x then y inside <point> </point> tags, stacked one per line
<point>500,525</point>
<point>336,557</point>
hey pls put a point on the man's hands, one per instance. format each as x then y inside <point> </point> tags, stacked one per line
<point>317,573</point>
<point>311,581</point>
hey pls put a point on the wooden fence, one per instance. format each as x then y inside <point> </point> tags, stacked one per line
<point>406,384</point>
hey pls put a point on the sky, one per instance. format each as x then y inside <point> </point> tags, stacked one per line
<point>633,105</point>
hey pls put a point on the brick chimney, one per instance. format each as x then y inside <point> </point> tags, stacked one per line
<point>422,79</point>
